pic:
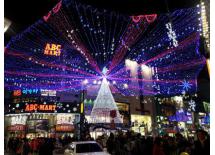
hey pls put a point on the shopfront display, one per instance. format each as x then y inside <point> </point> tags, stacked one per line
<point>124,110</point>
<point>204,121</point>
<point>164,126</point>
<point>141,124</point>
<point>66,122</point>
<point>41,124</point>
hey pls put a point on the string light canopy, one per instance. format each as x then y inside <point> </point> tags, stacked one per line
<point>75,42</point>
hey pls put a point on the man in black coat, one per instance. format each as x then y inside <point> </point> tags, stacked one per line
<point>202,145</point>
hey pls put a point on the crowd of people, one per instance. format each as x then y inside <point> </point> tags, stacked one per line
<point>24,146</point>
<point>120,143</point>
<point>135,144</point>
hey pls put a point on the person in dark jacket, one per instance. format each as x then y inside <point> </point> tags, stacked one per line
<point>158,147</point>
<point>26,147</point>
<point>110,143</point>
<point>202,145</point>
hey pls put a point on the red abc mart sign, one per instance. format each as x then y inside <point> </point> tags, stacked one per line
<point>40,107</point>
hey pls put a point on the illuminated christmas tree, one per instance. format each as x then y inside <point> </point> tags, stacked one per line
<point>104,106</point>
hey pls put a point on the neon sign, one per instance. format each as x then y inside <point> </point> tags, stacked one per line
<point>17,92</point>
<point>30,91</point>
<point>52,49</point>
<point>150,18</point>
<point>34,107</point>
<point>55,10</point>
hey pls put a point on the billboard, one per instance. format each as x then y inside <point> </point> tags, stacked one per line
<point>37,125</point>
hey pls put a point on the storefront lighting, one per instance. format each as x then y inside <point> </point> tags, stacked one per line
<point>146,71</point>
<point>82,108</point>
<point>7,24</point>
<point>132,66</point>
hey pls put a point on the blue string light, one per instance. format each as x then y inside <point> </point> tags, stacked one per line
<point>90,40</point>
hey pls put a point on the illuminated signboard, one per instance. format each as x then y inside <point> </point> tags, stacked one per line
<point>17,92</point>
<point>181,116</point>
<point>45,92</point>
<point>52,49</point>
<point>38,125</point>
<point>37,107</point>
<point>43,106</point>
<point>20,120</point>
<point>66,118</point>
<point>65,127</point>
<point>17,127</point>
<point>20,92</point>
<point>30,91</point>
<point>122,106</point>
<point>64,122</point>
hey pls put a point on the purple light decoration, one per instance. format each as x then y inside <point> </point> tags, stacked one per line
<point>180,116</point>
<point>132,34</point>
<point>92,39</point>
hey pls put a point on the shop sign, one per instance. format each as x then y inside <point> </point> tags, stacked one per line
<point>171,131</point>
<point>30,91</point>
<point>37,125</point>
<point>34,107</point>
<point>122,106</point>
<point>180,116</point>
<point>52,49</point>
<point>205,120</point>
<point>21,120</point>
<point>65,127</point>
<point>17,127</point>
<point>45,92</point>
<point>66,118</point>
<point>17,92</point>
<point>24,99</point>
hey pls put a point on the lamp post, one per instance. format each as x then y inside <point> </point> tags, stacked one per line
<point>82,115</point>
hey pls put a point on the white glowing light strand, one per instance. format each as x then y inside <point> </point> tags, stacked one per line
<point>205,26</point>
<point>192,105</point>
<point>171,34</point>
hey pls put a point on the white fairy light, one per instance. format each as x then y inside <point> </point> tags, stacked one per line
<point>204,24</point>
<point>171,34</point>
